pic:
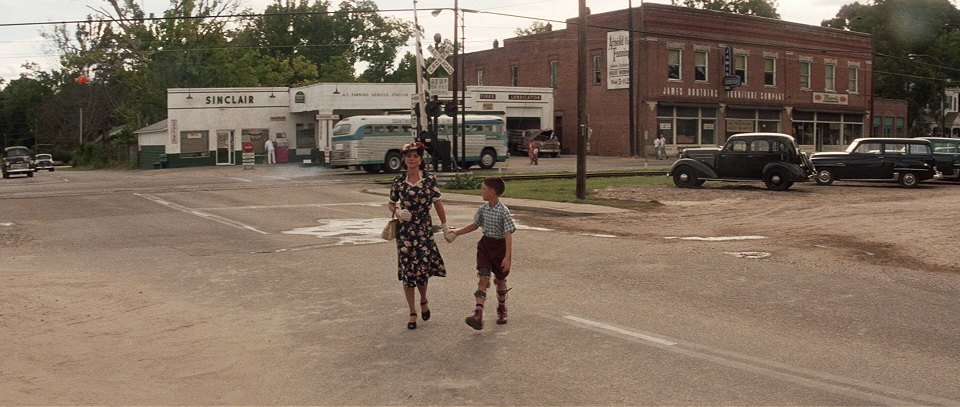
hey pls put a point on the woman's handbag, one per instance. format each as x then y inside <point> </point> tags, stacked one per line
<point>390,231</point>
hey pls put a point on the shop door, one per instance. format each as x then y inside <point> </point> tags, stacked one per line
<point>225,147</point>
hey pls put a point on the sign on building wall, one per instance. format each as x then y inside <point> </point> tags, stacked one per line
<point>174,131</point>
<point>830,98</point>
<point>618,60</point>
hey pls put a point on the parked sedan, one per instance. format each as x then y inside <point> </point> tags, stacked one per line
<point>946,151</point>
<point>43,162</point>
<point>903,160</point>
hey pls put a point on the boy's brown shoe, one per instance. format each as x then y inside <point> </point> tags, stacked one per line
<point>475,321</point>
<point>501,314</point>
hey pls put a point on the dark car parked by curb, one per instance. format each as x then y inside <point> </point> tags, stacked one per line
<point>907,161</point>
<point>946,152</point>
<point>773,158</point>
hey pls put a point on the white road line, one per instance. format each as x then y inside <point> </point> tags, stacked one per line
<point>201,214</point>
<point>308,205</point>
<point>240,179</point>
<point>619,330</point>
<point>872,392</point>
<point>277,177</point>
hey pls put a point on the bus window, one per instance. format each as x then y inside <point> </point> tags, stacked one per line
<point>342,129</point>
<point>367,129</point>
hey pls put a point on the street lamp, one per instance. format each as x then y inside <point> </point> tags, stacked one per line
<point>943,89</point>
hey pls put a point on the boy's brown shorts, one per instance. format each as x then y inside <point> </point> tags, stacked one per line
<point>490,254</point>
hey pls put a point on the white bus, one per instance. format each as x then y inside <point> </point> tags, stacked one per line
<point>372,143</point>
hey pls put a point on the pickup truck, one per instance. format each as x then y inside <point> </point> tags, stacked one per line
<point>519,141</point>
<point>773,158</point>
<point>16,160</point>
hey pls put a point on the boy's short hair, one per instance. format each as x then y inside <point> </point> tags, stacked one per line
<point>495,183</point>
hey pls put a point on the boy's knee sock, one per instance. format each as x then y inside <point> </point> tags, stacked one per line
<point>481,297</point>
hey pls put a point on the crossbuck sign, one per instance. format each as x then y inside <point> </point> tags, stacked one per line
<point>440,59</point>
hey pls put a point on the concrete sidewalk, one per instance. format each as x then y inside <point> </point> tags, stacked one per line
<point>557,208</point>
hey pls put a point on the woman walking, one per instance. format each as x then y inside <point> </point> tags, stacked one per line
<point>412,194</point>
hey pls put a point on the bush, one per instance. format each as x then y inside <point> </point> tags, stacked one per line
<point>464,182</point>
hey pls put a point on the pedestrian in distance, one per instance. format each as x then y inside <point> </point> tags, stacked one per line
<point>494,250</point>
<point>660,146</point>
<point>533,151</point>
<point>271,151</point>
<point>413,192</point>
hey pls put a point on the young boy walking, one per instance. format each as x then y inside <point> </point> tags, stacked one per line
<point>494,250</point>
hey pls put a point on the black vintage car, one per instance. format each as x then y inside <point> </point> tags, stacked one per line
<point>946,152</point>
<point>904,160</point>
<point>16,160</point>
<point>773,158</point>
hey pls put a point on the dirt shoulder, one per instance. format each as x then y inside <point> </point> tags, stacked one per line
<point>914,228</point>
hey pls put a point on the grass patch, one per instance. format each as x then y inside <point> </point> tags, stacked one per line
<point>564,190</point>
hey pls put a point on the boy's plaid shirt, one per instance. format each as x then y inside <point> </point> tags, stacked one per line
<point>495,220</point>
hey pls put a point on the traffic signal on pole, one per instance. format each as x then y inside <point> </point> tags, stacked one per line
<point>433,108</point>
<point>450,109</point>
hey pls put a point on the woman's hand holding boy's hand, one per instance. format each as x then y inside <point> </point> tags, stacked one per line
<point>448,235</point>
<point>404,215</point>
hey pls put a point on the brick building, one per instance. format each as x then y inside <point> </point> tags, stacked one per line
<point>811,82</point>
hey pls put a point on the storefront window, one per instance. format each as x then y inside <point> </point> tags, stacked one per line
<point>803,133</point>
<point>257,137</point>
<point>194,144</point>
<point>687,124</point>
<point>306,135</point>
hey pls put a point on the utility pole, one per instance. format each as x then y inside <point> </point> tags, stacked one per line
<point>582,102</point>
<point>633,85</point>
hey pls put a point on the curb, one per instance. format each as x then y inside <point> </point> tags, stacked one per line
<point>543,207</point>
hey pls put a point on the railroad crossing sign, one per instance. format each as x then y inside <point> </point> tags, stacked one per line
<point>440,59</point>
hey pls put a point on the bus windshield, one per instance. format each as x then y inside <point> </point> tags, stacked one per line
<point>342,129</point>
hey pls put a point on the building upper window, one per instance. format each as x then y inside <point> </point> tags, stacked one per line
<point>770,71</point>
<point>804,74</point>
<point>554,72</point>
<point>853,80</point>
<point>830,77</point>
<point>740,68</point>
<point>700,67</point>
<point>597,66</point>
<point>514,73</point>
<point>479,77</point>
<point>673,64</point>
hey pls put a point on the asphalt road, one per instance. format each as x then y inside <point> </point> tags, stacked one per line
<point>270,286</point>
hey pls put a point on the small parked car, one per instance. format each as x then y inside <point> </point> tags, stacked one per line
<point>16,160</point>
<point>773,158</point>
<point>905,160</point>
<point>43,162</point>
<point>545,139</point>
<point>946,152</point>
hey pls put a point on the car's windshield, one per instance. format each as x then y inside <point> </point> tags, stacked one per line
<point>16,152</point>
<point>43,156</point>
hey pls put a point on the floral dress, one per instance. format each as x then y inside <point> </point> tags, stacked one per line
<point>418,257</point>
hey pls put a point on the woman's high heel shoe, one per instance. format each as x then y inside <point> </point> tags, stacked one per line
<point>424,314</point>
<point>412,325</point>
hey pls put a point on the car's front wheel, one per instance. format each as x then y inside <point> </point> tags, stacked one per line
<point>824,177</point>
<point>909,180</point>
<point>776,181</point>
<point>685,177</point>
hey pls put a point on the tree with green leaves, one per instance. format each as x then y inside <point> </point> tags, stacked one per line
<point>535,27</point>
<point>760,8</point>
<point>915,48</point>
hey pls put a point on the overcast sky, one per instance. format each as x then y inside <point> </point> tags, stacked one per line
<point>20,44</point>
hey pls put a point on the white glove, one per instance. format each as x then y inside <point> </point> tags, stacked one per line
<point>448,234</point>
<point>404,215</point>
